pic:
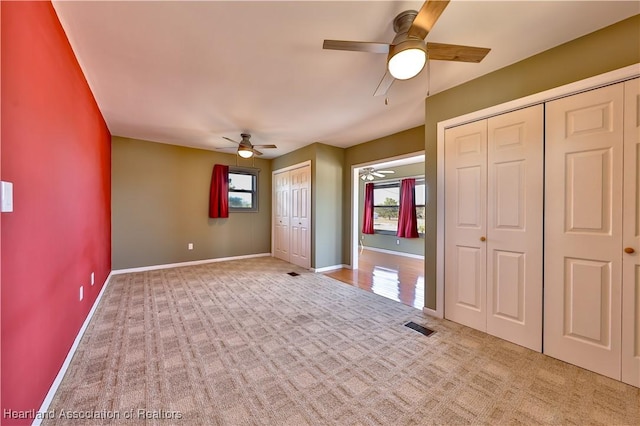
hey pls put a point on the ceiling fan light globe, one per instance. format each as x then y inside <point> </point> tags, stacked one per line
<point>407,58</point>
<point>370,177</point>
<point>245,152</point>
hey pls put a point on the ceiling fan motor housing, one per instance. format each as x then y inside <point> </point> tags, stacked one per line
<point>406,68</point>
<point>245,139</point>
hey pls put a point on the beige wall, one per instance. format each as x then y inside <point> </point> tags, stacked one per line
<point>605,50</point>
<point>390,242</point>
<point>159,204</point>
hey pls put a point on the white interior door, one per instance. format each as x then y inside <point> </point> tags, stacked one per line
<point>300,220</point>
<point>465,224</point>
<point>631,236</point>
<point>282,216</point>
<point>514,226</point>
<point>583,229</point>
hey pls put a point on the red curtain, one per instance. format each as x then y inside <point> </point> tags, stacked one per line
<point>219,198</point>
<point>367,219</point>
<point>407,220</point>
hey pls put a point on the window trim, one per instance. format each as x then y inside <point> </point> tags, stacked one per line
<point>395,183</point>
<point>248,171</point>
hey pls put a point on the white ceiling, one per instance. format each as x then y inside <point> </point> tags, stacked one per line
<point>189,73</point>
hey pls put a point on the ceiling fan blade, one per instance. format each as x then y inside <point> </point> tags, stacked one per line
<point>265,146</point>
<point>427,17</point>
<point>356,46</point>
<point>386,171</point>
<point>256,152</point>
<point>224,137</point>
<point>385,84</point>
<point>376,174</point>
<point>455,52</point>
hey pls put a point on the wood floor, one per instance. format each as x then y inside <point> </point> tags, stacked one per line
<point>398,278</point>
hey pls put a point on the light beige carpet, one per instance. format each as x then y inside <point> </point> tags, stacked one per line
<point>243,343</point>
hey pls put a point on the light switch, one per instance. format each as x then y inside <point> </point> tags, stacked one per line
<point>6,194</point>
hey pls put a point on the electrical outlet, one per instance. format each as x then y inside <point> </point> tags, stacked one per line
<point>398,242</point>
<point>190,246</point>
<point>81,293</point>
<point>93,278</point>
<point>6,196</point>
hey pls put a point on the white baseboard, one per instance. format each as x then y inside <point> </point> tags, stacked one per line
<point>331,268</point>
<point>189,263</point>
<point>65,365</point>
<point>397,253</point>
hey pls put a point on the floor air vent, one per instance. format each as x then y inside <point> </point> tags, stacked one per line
<point>420,329</point>
<point>293,274</point>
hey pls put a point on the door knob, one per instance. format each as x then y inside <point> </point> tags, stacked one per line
<point>629,250</point>
<point>483,239</point>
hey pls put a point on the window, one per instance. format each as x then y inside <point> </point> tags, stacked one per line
<point>243,189</point>
<point>386,204</point>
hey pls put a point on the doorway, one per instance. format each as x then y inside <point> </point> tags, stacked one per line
<point>383,248</point>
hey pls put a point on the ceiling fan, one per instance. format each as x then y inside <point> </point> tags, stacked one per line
<point>245,148</point>
<point>369,173</point>
<point>408,52</point>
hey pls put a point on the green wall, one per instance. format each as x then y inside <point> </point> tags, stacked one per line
<point>327,163</point>
<point>403,143</point>
<point>605,50</point>
<point>328,212</point>
<point>389,242</point>
<point>159,204</point>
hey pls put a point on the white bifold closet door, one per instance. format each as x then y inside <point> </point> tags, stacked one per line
<point>292,215</point>
<point>591,214</point>
<point>493,227</point>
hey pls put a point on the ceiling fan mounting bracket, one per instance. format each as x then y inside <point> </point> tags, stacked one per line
<point>403,21</point>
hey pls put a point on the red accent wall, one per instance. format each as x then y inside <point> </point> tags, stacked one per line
<point>56,149</point>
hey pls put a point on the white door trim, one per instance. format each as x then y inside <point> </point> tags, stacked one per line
<point>611,77</point>
<point>293,167</point>
<point>355,187</point>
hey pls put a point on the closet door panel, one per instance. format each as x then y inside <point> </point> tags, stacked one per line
<point>465,224</point>
<point>514,226</point>
<point>300,216</point>
<point>631,237</point>
<point>282,216</point>
<point>583,229</point>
